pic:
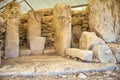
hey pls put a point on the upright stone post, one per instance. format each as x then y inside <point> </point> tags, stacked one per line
<point>12,38</point>
<point>35,41</point>
<point>34,24</point>
<point>11,14</point>
<point>62,27</point>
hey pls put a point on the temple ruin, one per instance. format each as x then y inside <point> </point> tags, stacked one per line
<point>61,36</point>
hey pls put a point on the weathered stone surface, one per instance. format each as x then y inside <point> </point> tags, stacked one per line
<point>47,18</point>
<point>76,33</point>
<point>0,58</point>
<point>116,51</point>
<point>12,38</point>
<point>34,24</point>
<point>104,19</point>
<point>104,54</point>
<point>24,52</point>
<point>36,44</point>
<point>11,10</point>
<point>85,55</point>
<point>88,40</point>
<point>62,27</point>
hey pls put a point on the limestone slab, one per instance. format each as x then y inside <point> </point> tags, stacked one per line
<point>88,40</point>
<point>62,27</point>
<point>12,38</point>
<point>116,51</point>
<point>85,55</point>
<point>36,44</point>
<point>104,54</point>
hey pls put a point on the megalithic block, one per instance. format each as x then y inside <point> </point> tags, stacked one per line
<point>36,44</point>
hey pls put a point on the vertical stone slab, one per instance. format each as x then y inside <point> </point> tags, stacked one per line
<point>11,14</point>
<point>62,27</point>
<point>104,19</point>
<point>12,38</point>
<point>34,24</point>
<point>36,44</point>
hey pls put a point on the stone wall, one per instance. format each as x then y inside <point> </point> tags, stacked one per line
<point>104,19</point>
<point>80,23</point>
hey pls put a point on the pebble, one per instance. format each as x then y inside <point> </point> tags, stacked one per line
<point>63,76</point>
<point>82,76</point>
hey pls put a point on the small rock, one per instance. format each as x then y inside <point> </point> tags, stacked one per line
<point>63,76</point>
<point>82,76</point>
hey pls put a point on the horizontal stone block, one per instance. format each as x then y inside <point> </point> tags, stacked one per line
<point>85,55</point>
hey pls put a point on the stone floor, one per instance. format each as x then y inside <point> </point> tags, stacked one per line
<point>46,67</point>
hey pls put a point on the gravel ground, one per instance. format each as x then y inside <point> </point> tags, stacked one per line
<point>106,75</point>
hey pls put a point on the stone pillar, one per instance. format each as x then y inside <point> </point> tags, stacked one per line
<point>12,38</point>
<point>62,27</point>
<point>34,24</point>
<point>11,14</point>
<point>35,41</point>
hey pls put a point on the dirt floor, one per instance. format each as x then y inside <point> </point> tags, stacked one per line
<point>104,75</point>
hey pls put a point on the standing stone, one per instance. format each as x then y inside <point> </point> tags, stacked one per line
<point>12,38</point>
<point>104,19</point>
<point>116,51</point>
<point>85,55</point>
<point>34,24</point>
<point>104,54</point>
<point>11,14</point>
<point>88,40</point>
<point>62,27</point>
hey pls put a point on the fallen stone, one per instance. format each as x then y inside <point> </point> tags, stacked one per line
<point>88,40</point>
<point>85,55</point>
<point>36,44</point>
<point>104,54</point>
<point>116,51</point>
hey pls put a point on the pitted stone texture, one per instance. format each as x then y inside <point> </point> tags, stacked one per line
<point>12,38</point>
<point>34,24</point>
<point>116,51</point>
<point>104,54</point>
<point>62,27</point>
<point>24,51</point>
<point>85,55</point>
<point>36,44</point>
<point>104,19</point>
<point>88,40</point>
